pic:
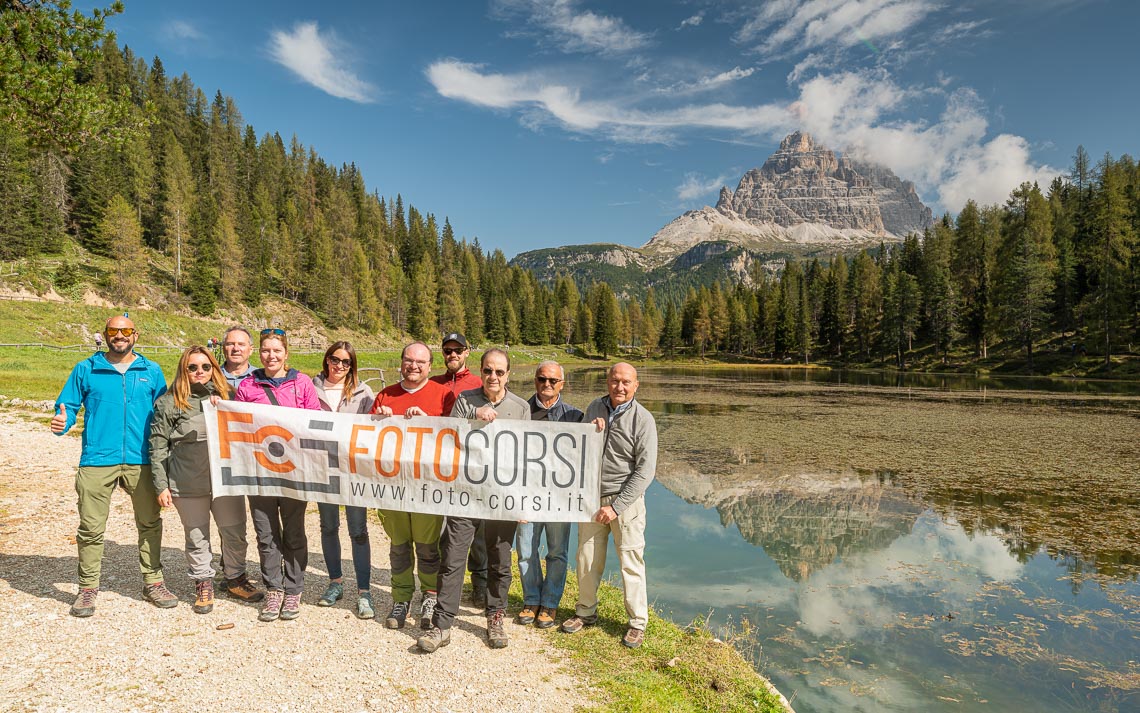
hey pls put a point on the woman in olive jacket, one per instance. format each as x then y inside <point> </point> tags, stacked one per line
<point>340,390</point>
<point>180,468</point>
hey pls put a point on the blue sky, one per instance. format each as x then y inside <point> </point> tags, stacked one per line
<point>533,124</point>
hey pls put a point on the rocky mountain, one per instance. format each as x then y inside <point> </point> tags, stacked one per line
<point>805,200</point>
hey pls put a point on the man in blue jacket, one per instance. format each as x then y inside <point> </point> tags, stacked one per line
<point>117,388</point>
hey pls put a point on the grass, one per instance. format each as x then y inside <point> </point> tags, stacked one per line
<point>675,669</point>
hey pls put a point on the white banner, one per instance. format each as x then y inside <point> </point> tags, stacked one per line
<point>502,470</point>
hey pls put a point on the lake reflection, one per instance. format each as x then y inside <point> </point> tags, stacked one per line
<point>993,566</point>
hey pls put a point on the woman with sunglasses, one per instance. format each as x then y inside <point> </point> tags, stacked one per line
<point>279,521</point>
<point>180,469</point>
<point>339,390</point>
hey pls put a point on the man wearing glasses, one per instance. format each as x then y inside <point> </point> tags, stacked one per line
<point>541,595</point>
<point>414,536</point>
<point>491,402</point>
<point>118,389</point>
<point>458,378</point>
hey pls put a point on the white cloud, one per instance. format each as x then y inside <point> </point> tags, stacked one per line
<point>709,82</point>
<point>693,21</point>
<point>182,30</point>
<point>577,30</point>
<point>805,25</point>
<point>696,186</point>
<point>543,101</point>
<point>950,158</point>
<point>319,60</point>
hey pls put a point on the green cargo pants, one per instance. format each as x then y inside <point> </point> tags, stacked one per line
<point>94,485</point>
<point>415,538</point>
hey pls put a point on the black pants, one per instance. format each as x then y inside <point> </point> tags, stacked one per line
<point>454,545</point>
<point>281,541</point>
<point>477,559</point>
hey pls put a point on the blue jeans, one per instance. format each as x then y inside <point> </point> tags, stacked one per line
<point>538,591</point>
<point>330,542</point>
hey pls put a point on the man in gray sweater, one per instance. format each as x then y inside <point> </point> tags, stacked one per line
<point>629,462</point>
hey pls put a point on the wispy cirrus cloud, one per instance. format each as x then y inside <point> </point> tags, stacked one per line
<point>693,21</point>
<point>804,25</point>
<point>575,29</point>
<point>709,82</point>
<point>319,59</point>
<point>545,101</point>
<point>180,30</point>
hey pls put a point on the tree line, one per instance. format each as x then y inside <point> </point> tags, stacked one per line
<point>1060,263</point>
<point>105,149</point>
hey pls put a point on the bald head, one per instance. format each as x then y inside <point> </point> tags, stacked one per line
<point>121,337</point>
<point>621,381</point>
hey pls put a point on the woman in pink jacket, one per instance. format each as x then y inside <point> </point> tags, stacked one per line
<point>279,521</point>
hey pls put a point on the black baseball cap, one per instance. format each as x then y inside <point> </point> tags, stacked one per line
<point>455,337</point>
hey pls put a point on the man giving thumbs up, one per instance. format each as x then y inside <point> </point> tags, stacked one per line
<point>117,389</point>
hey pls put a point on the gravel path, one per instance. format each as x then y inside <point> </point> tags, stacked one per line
<point>131,656</point>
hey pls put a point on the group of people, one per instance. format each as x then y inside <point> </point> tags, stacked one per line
<point>151,440</point>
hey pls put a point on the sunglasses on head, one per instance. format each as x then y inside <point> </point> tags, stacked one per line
<point>552,380</point>
<point>195,368</point>
<point>346,363</point>
<point>487,371</point>
<point>276,330</point>
<point>450,351</point>
<point>125,331</point>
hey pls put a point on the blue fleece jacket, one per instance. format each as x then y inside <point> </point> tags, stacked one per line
<point>120,408</point>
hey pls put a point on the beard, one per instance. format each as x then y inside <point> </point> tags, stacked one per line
<point>120,346</point>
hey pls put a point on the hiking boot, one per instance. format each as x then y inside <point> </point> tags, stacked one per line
<point>576,623</point>
<point>545,618</point>
<point>271,609</point>
<point>364,608</point>
<point>526,616</point>
<point>243,589</point>
<point>85,602</point>
<point>496,635</point>
<point>291,609</point>
<point>433,639</point>
<point>332,595</point>
<point>479,598</point>
<point>427,609</point>
<point>633,638</point>
<point>158,595</point>
<point>204,596</point>
<point>398,615</point>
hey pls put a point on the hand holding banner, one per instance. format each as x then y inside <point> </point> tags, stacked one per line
<point>502,470</point>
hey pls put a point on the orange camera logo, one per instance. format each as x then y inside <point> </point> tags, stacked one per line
<point>226,437</point>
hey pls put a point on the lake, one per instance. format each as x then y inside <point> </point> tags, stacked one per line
<point>885,543</point>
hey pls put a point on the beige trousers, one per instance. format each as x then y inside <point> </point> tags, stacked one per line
<point>629,541</point>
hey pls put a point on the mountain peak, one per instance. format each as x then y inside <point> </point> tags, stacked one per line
<point>797,142</point>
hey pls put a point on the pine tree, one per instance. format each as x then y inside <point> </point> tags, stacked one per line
<point>119,227</point>
<point>1109,257</point>
<point>1026,262</point>
<point>671,330</point>
<point>606,313</point>
<point>177,189</point>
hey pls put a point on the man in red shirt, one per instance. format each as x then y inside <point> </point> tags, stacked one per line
<point>414,536</point>
<point>459,378</point>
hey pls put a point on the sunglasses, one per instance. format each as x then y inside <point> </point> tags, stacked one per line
<point>279,332</point>
<point>497,372</point>
<point>552,380</point>
<point>451,352</point>
<point>346,363</point>
<point>125,331</point>
<point>194,368</point>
